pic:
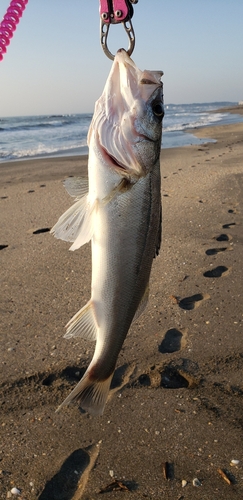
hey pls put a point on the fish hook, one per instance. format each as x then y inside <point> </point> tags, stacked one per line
<point>114,12</point>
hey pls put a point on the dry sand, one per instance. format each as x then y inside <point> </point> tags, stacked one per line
<point>178,391</point>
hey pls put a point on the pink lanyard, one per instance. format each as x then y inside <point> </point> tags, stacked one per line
<point>9,23</point>
<point>111,12</point>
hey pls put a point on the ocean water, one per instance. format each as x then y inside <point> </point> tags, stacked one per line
<point>66,135</point>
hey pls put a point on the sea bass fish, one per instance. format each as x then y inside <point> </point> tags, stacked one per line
<point>120,214</point>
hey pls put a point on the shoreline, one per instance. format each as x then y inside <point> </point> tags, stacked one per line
<point>177,390</point>
<point>238,109</point>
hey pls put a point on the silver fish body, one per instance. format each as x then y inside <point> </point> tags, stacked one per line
<point>121,214</point>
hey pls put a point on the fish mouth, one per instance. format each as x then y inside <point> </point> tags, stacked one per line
<point>145,138</point>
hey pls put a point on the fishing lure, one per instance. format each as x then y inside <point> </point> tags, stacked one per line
<point>9,23</point>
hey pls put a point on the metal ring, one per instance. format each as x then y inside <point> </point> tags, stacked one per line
<point>104,30</point>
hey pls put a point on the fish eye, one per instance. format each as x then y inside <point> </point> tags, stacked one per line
<point>158,109</point>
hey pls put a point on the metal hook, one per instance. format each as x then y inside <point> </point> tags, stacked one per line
<point>104,30</point>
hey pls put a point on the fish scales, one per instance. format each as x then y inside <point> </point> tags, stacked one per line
<point>133,222</point>
<point>121,214</point>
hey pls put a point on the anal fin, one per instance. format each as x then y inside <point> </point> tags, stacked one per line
<point>83,324</point>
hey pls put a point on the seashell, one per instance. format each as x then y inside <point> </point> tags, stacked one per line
<point>234,462</point>
<point>183,483</point>
<point>15,491</point>
<point>196,482</point>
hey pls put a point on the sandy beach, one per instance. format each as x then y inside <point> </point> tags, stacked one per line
<point>175,411</point>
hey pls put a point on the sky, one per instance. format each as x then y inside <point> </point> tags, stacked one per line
<point>55,63</point>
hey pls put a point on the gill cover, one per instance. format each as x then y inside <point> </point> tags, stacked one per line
<point>124,115</point>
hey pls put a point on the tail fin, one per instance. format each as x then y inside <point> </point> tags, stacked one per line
<point>90,393</point>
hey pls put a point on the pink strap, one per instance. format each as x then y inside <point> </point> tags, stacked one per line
<point>104,11</point>
<point>9,23</point>
<point>119,11</point>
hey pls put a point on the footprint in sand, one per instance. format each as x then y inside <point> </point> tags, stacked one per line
<point>121,378</point>
<point>173,341</point>
<point>174,378</point>
<point>43,230</point>
<point>178,373</point>
<point>223,237</point>
<point>214,251</point>
<point>70,481</point>
<point>217,272</point>
<point>227,226</point>
<point>192,302</point>
<point>169,377</point>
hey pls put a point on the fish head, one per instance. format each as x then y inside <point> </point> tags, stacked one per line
<point>127,124</point>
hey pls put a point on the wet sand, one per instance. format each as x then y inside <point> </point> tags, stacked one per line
<point>177,394</point>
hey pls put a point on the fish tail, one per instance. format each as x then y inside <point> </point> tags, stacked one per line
<point>91,394</point>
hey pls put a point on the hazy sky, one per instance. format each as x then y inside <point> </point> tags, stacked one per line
<point>55,63</point>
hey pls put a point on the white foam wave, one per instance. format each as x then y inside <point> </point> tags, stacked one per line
<point>41,150</point>
<point>202,121</point>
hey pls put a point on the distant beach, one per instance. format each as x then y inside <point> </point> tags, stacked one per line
<point>175,409</point>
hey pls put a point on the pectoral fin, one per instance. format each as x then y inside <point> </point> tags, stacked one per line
<point>76,224</point>
<point>77,187</point>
